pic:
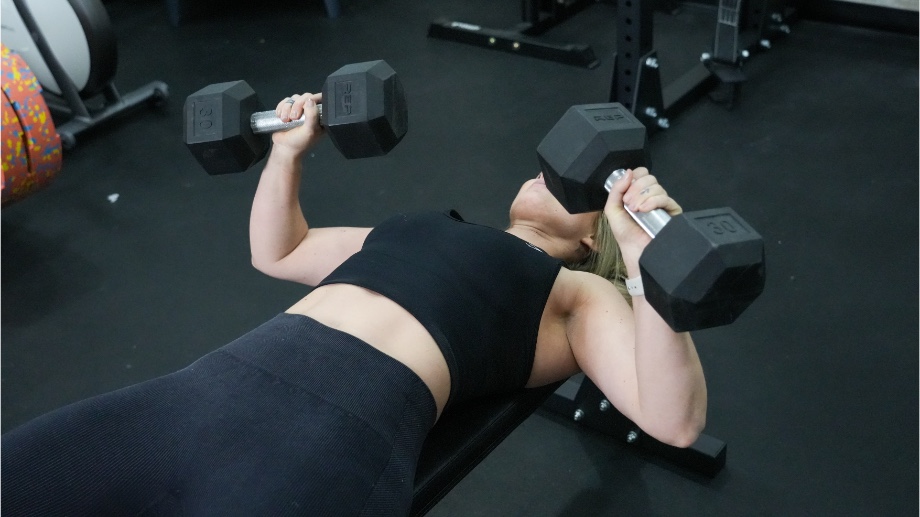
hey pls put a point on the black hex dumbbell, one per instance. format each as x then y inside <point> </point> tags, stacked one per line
<point>363,110</point>
<point>702,269</point>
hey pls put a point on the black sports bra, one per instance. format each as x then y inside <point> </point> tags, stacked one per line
<point>480,292</point>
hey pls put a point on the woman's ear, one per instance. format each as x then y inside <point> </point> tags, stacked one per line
<point>588,243</point>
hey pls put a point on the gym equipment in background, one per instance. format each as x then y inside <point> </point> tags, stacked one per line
<point>702,269</point>
<point>636,81</point>
<point>538,16</point>
<point>365,115</point>
<point>71,48</point>
<point>742,27</point>
<point>31,146</point>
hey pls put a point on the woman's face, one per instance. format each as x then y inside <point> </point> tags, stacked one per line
<point>535,205</point>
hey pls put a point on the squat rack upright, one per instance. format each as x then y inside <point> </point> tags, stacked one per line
<point>742,27</point>
<point>740,31</point>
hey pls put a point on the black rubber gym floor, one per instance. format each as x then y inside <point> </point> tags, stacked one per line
<point>814,388</point>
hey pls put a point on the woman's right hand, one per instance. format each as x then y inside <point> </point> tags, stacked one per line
<point>301,138</point>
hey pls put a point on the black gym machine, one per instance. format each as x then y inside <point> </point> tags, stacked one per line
<point>537,17</point>
<point>95,100</point>
<point>740,31</point>
<point>742,28</point>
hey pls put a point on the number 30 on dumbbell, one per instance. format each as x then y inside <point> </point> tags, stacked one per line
<point>702,269</point>
<point>363,110</point>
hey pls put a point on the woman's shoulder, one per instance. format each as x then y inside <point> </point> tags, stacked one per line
<point>575,289</point>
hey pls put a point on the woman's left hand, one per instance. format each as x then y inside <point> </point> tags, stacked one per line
<point>641,192</point>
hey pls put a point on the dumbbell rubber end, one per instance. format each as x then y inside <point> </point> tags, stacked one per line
<point>703,269</point>
<point>587,143</point>
<point>217,127</point>
<point>365,109</point>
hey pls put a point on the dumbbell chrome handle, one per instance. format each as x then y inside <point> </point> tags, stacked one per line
<point>268,122</point>
<point>652,222</point>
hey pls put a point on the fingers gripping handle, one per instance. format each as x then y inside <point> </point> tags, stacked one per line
<point>268,122</point>
<point>652,222</point>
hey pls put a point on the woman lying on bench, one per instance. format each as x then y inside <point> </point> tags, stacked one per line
<point>323,409</point>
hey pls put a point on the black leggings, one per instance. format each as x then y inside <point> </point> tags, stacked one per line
<point>294,418</point>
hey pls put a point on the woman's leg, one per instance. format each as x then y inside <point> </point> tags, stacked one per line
<point>292,419</point>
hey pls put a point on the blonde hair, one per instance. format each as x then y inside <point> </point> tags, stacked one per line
<point>605,260</point>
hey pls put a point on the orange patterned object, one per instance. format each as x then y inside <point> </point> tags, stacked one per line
<point>31,147</point>
<point>15,160</point>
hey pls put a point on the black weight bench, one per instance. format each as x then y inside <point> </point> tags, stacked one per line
<point>467,433</point>
<point>464,436</point>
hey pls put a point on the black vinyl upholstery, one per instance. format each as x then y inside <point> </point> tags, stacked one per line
<point>464,436</point>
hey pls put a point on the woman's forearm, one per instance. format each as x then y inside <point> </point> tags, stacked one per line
<point>277,224</point>
<point>672,388</point>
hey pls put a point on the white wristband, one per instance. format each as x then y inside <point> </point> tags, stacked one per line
<point>634,286</point>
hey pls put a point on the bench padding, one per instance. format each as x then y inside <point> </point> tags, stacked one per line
<point>464,436</point>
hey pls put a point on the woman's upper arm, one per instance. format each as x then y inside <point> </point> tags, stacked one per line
<point>601,332</point>
<point>318,254</point>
